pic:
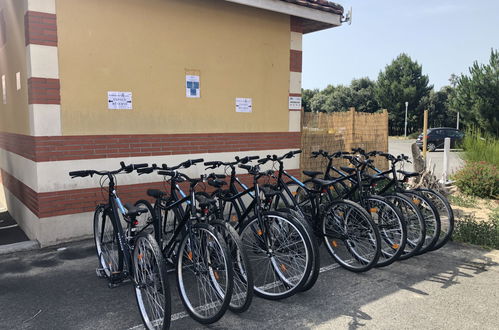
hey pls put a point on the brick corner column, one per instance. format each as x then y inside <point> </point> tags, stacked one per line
<point>295,70</point>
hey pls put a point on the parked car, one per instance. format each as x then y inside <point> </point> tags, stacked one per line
<point>436,137</point>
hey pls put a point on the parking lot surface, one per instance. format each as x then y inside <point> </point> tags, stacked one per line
<point>455,287</point>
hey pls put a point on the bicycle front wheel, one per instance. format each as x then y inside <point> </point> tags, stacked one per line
<point>351,236</point>
<point>445,214</point>
<point>204,274</point>
<point>242,294</point>
<point>152,291</point>
<point>106,242</point>
<point>279,251</point>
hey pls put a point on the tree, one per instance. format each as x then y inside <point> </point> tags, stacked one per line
<point>306,96</point>
<point>476,95</point>
<point>402,81</point>
<point>440,112</point>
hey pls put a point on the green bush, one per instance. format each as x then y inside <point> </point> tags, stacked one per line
<point>480,146</point>
<point>414,135</point>
<point>479,179</point>
<point>483,233</point>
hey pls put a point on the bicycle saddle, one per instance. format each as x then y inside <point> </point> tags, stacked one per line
<point>348,169</point>
<point>322,183</point>
<point>312,174</point>
<point>205,201</point>
<point>217,183</point>
<point>408,174</point>
<point>156,193</point>
<point>134,211</point>
<point>269,191</point>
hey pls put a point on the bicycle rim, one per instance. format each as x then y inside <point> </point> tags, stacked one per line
<point>106,243</point>
<point>445,214</point>
<point>431,219</point>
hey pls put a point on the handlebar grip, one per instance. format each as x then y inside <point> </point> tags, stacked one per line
<point>211,163</point>
<point>82,174</point>
<point>137,166</point>
<point>296,152</point>
<point>145,170</point>
<point>247,167</point>
<point>195,161</point>
<point>169,173</point>
<point>253,157</point>
<point>122,164</point>
<point>263,160</point>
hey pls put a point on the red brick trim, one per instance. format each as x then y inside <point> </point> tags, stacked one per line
<point>295,94</point>
<point>295,60</point>
<point>296,24</point>
<point>44,91</point>
<point>40,28</point>
<point>56,148</point>
<point>66,202</point>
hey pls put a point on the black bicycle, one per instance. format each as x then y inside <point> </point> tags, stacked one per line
<point>203,261</point>
<point>124,252</point>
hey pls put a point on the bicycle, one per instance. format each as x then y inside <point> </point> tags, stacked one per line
<point>196,247</point>
<point>123,253</point>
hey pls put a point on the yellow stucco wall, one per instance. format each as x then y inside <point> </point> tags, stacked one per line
<point>146,46</point>
<point>14,116</point>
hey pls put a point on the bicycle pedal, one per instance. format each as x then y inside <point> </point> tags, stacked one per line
<point>100,272</point>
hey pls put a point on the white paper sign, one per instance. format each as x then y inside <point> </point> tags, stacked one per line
<point>295,103</point>
<point>119,100</point>
<point>244,105</point>
<point>4,90</point>
<point>192,87</point>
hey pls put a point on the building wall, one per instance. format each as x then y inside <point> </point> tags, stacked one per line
<point>77,51</point>
<point>14,117</point>
<point>146,47</point>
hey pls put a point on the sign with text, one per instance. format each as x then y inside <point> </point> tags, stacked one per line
<point>294,103</point>
<point>244,105</point>
<point>119,100</point>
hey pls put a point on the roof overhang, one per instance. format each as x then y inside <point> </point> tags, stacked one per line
<point>313,19</point>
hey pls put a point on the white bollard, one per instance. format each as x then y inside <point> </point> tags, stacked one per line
<point>445,171</point>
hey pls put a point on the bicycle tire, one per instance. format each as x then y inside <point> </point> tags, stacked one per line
<point>432,220</point>
<point>206,250</point>
<point>106,242</point>
<point>416,227</point>
<point>343,215</point>
<point>288,273</point>
<point>242,293</point>
<point>152,291</point>
<point>391,225</point>
<point>445,214</point>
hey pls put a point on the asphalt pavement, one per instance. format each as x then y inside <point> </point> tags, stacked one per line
<point>456,287</point>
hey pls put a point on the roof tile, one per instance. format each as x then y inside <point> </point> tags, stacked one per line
<point>323,5</point>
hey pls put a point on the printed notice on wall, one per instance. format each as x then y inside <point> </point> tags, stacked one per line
<point>119,100</point>
<point>192,88</point>
<point>244,105</point>
<point>4,90</point>
<point>294,103</point>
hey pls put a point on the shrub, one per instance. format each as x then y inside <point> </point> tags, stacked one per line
<point>480,146</point>
<point>483,233</point>
<point>478,179</point>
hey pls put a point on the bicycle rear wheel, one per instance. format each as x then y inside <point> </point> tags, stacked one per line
<point>242,293</point>
<point>106,242</point>
<point>204,274</point>
<point>445,214</point>
<point>279,250</point>
<point>152,291</point>
<point>351,236</point>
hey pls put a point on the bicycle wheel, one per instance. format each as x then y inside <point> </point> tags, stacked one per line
<point>106,242</point>
<point>152,291</point>
<point>391,226</point>
<point>351,236</point>
<point>445,214</point>
<point>204,274</point>
<point>145,221</point>
<point>416,228</point>
<point>432,220</point>
<point>279,251</point>
<point>242,293</point>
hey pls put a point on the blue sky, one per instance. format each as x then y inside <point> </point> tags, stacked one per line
<point>444,36</point>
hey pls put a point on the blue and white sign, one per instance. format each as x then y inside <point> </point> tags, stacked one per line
<point>119,100</point>
<point>244,104</point>
<point>192,88</point>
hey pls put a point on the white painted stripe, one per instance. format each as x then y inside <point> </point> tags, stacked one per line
<point>45,119</point>
<point>8,227</point>
<point>42,61</point>
<point>295,82</point>
<point>44,6</point>
<point>292,9</point>
<point>181,315</point>
<point>294,121</point>
<point>53,176</point>
<point>296,41</point>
